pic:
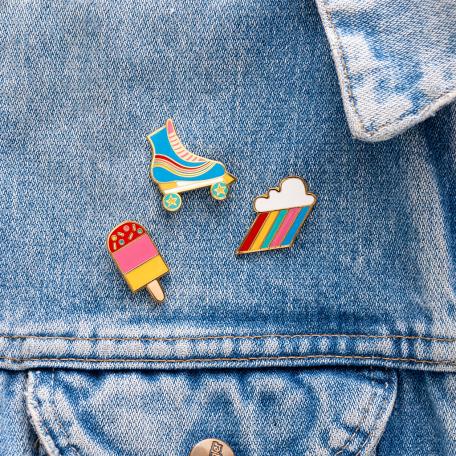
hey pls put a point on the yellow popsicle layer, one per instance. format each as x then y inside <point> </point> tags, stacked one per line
<point>147,272</point>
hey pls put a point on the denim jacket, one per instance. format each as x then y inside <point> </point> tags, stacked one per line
<point>344,344</point>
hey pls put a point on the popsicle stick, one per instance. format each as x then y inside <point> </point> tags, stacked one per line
<point>155,290</point>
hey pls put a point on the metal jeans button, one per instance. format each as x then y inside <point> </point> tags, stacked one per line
<point>212,447</point>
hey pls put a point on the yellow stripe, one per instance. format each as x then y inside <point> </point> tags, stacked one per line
<point>261,236</point>
<point>147,272</point>
<point>189,169</point>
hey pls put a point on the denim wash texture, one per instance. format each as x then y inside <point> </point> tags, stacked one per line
<point>396,61</point>
<point>344,344</point>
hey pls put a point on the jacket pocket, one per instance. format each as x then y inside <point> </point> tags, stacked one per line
<point>258,412</point>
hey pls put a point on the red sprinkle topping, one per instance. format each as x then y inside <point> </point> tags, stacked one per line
<point>135,229</point>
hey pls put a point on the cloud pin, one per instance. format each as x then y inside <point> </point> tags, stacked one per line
<point>281,213</point>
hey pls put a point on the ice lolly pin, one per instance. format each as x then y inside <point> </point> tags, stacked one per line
<point>137,258</point>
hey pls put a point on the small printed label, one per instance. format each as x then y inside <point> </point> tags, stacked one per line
<point>216,449</point>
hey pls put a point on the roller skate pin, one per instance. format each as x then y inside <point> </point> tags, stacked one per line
<point>176,170</point>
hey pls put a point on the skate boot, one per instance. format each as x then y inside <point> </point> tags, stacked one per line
<point>175,170</point>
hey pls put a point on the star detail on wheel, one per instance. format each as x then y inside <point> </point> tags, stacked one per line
<point>171,201</point>
<point>220,190</point>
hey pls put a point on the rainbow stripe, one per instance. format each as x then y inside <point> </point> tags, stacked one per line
<point>178,169</point>
<point>274,230</point>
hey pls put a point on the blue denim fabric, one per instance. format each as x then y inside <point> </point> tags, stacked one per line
<point>314,342</point>
<point>324,412</point>
<point>16,432</point>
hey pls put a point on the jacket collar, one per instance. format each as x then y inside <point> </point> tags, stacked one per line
<point>396,61</point>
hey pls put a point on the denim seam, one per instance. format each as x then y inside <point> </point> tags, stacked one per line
<point>259,358</point>
<point>230,337</point>
<point>352,98</point>
<point>58,423</point>
<point>34,405</point>
<point>369,434</point>
<point>367,410</point>
<point>343,62</point>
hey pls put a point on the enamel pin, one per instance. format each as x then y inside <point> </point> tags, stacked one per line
<point>280,215</point>
<point>176,170</point>
<point>137,258</point>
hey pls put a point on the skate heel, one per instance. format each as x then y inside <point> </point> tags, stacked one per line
<point>228,178</point>
<point>167,187</point>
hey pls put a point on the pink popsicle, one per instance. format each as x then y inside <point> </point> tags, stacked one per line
<point>135,253</point>
<point>137,258</point>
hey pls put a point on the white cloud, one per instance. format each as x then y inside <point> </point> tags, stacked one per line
<point>292,193</point>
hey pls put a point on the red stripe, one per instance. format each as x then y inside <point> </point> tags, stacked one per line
<point>164,157</point>
<point>251,235</point>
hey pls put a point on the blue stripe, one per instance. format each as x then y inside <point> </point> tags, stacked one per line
<point>295,227</point>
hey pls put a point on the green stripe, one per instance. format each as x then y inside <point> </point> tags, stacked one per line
<point>274,229</point>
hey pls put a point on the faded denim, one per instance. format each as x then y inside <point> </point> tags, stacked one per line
<point>396,61</point>
<point>343,345</point>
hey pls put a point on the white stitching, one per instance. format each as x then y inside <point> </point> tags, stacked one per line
<point>209,360</point>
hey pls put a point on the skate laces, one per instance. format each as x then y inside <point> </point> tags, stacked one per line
<point>179,148</point>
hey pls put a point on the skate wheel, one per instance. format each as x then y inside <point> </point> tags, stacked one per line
<point>219,191</point>
<point>172,202</point>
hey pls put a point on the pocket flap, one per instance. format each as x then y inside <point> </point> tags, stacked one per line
<point>260,412</point>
